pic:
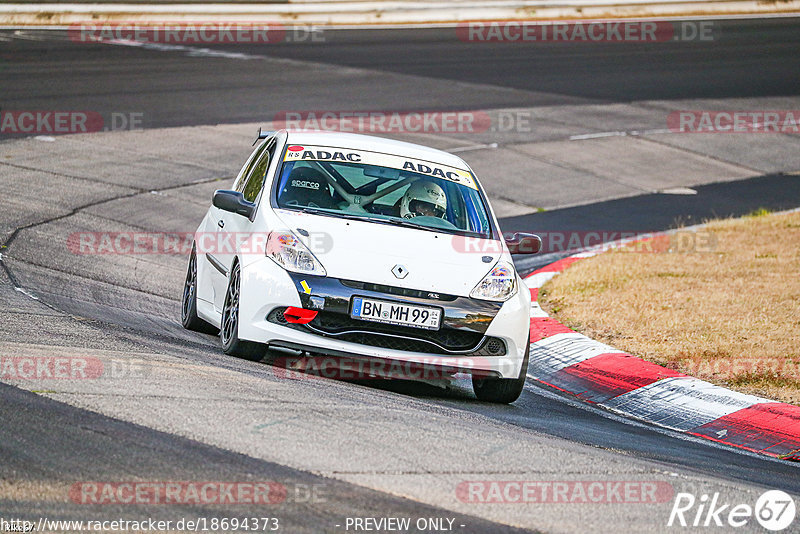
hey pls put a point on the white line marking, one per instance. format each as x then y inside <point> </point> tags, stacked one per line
<point>619,133</point>
<point>655,131</point>
<point>552,354</point>
<point>678,191</point>
<point>27,36</point>
<point>584,254</point>
<point>473,147</point>
<point>537,311</point>
<point>681,403</point>
<point>26,293</point>
<point>597,135</point>
<point>537,280</point>
<point>189,50</point>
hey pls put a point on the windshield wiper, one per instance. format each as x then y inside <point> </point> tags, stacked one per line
<point>335,213</point>
<point>356,217</point>
<point>408,224</point>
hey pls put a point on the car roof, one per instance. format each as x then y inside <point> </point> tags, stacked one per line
<point>376,144</point>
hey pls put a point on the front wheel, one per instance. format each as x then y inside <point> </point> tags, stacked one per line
<point>229,326</point>
<point>502,390</point>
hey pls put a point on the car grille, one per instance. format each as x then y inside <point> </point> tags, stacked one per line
<point>443,341</point>
<point>400,291</point>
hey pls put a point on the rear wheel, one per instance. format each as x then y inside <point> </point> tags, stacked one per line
<point>189,318</point>
<point>502,390</point>
<point>229,326</point>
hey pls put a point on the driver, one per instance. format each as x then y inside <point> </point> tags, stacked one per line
<point>423,198</point>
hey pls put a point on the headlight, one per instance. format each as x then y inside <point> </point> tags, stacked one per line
<point>291,254</point>
<point>499,285</point>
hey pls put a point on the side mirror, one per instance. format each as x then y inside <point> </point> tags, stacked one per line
<point>522,243</point>
<point>234,202</point>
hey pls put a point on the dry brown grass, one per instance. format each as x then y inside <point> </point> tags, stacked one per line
<point>730,316</point>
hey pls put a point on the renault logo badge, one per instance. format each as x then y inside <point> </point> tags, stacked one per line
<point>399,271</point>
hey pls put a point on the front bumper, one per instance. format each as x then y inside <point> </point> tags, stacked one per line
<point>475,335</point>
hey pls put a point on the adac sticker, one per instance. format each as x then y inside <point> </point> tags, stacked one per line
<point>366,157</point>
<point>454,175</point>
<point>295,152</point>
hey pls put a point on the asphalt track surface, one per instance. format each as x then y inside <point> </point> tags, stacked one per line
<point>46,442</point>
<point>745,59</point>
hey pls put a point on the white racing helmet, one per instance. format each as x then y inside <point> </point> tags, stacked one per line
<point>423,198</point>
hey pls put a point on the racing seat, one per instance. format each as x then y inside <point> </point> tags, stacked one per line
<point>307,187</point>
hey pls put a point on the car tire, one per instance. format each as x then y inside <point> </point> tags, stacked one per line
<point>502,390</point>
<point>189,318</point>
<point>229,324</point>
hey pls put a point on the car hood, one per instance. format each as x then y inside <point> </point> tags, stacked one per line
<point>369,252</point>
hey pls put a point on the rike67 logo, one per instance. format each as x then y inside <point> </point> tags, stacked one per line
<point>774,510</point>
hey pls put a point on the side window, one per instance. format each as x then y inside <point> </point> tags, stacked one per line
<point>239,185</point>
<point>255,180</point>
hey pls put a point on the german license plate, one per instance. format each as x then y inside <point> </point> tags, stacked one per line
<point>382,311</point>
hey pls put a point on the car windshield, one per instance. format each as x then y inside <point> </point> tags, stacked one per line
<point>382,188</point>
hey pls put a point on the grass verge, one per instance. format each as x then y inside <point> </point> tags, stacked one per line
<point>727,312</point>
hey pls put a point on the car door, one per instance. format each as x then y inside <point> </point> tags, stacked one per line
<point>233,229</point>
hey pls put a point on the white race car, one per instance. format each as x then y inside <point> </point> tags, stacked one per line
<point>354,246</point>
